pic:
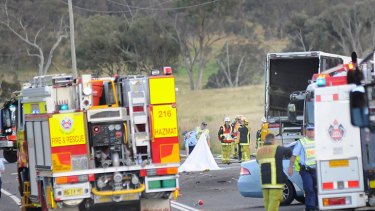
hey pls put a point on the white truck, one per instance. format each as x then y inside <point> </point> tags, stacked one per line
<point>287,76</point>
<point>345,164</point>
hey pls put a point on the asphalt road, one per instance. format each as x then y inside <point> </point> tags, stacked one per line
<point>217,189</point>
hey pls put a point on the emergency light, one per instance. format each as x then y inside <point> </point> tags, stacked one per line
<point>321,81</point>
<point>167,70</point>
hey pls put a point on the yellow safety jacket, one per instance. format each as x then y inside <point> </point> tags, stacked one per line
<point>309,147</point>
<point>200,131</point>
<point>271,171</point>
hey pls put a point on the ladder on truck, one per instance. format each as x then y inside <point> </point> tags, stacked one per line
<point>139,124</point>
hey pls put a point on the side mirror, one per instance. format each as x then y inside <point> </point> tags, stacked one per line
<point>359,109</point>
<point>292,115</point>
<point>6,119</point>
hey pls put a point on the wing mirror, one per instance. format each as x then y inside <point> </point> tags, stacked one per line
<point>359,107</point>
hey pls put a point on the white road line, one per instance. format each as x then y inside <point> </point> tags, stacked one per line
<point>14,173</point>
<point>15,198</point>
<point>182,207</point>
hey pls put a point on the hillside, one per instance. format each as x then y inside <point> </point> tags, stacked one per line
<point>212,105</point>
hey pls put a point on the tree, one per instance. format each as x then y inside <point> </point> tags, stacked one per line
<point>7,87</point>
<point>109,43</point>
<point>98,41</point>
<point>340,29</point>
<point>196,30</point>
<point>19,25</point>
<point>146,46</point>
<point>240,64</point>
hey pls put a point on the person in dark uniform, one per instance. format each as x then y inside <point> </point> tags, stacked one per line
<point>270,158</point>
<point>244,141</point>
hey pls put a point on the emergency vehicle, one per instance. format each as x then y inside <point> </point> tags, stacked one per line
<point>86,141</point>
<point>342,180</point>
<point>8,136</point>
<point>286,77</point>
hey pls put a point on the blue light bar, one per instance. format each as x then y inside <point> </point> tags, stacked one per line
<point>321,82</point>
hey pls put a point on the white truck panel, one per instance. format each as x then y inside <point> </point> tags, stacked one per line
<point>338,148</point>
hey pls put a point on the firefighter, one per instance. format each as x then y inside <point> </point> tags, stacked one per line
<point>305,148</point>
<point>235,125</point>
<point>244,141</point>
<point>270,158</point>
<point>226,139</point>
<point>203,129</point>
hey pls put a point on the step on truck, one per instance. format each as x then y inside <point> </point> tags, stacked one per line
<point>87,141</point>
<point>287,76</point>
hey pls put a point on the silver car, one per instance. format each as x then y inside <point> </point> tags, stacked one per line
<point>249,182</point>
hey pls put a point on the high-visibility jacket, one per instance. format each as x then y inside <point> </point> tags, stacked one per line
<point>200,131</point>
<point>270,159</point>
<point>244,134</point>
<point>225,134</point>
<point>309,147</point>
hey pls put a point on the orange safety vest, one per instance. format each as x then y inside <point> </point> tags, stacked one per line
<point>227,133</point>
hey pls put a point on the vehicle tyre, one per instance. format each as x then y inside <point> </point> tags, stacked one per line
<point>288,193</point>
<point>300,199</point>
<point>10,156</point>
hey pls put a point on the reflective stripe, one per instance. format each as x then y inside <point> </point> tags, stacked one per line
<point>266,155</point>
<point>271,161</point>
<point>309,147</point>
<point>227,134</point>
<point>344,184</point>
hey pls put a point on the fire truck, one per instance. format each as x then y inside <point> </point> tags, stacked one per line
<point>286,77</point>
<point>87,141</point>
<point>8,130</point>
<point>345,164</point>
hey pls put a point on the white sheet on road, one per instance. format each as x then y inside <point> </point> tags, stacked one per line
<point>200,159</point>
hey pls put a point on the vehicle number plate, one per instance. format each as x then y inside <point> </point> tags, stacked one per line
<point>73,192</point>
<point>338,163</point>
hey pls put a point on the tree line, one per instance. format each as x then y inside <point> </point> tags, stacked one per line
<point>134,36</point>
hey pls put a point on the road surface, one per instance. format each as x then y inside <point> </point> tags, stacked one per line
<point>217,190</point>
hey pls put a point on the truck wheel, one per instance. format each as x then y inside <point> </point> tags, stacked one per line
<point>10,156</point>
<point>288,193</point>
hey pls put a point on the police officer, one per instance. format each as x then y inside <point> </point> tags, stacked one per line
<point>270,158</point>
<point>191,140</point>
<point>203,129</point>
<point>225,137</point>
<point>305,148</point>
<point>244,141</point>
